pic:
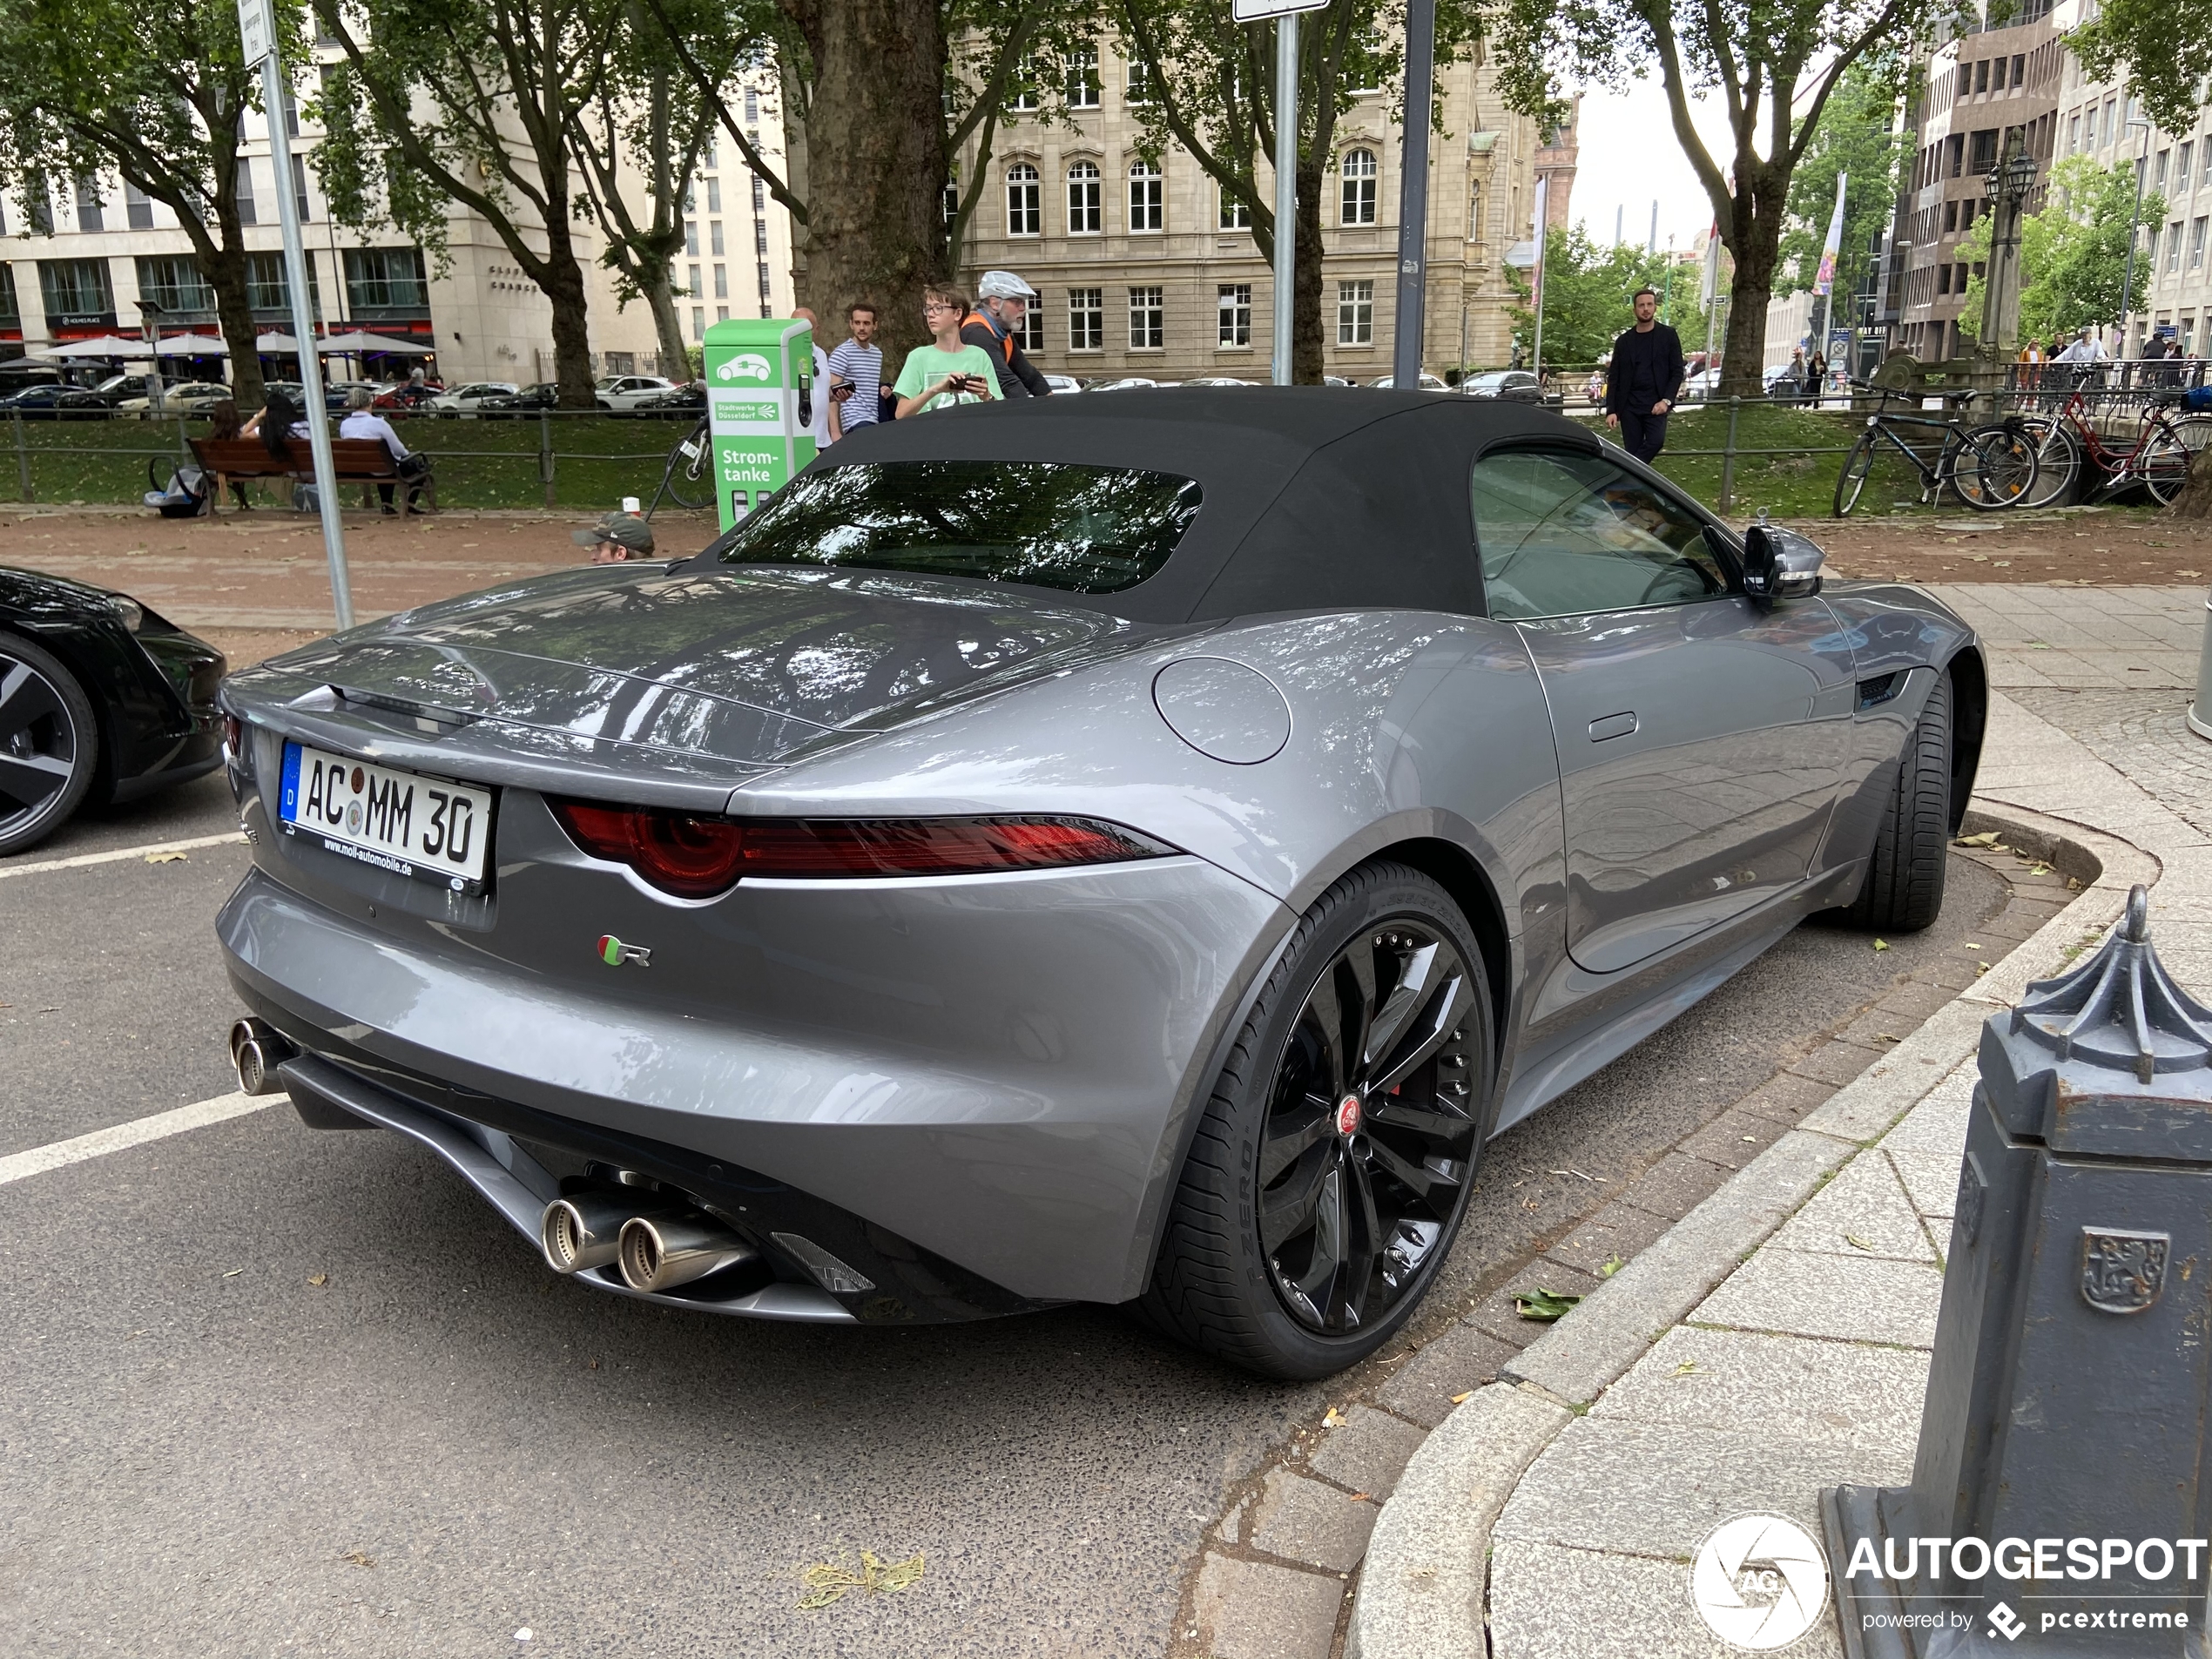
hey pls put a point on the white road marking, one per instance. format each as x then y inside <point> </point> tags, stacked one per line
<point>119,853</point>
<point>18,1166</point>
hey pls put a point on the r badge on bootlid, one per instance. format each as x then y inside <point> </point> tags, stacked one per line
<point>614,954</point>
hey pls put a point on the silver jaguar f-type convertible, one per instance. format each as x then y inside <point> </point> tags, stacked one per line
<point>1128,849</point>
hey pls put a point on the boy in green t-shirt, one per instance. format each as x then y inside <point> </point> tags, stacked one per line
<point>950,372</point>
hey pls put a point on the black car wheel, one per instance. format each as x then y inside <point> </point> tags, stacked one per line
<point>1328,1177</point>
<point>49,744</point>
<point>1903,891</point>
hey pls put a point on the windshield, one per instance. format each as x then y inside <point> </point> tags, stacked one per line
<point>1040,523</point>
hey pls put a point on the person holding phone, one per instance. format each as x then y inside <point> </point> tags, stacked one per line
<point>948,371</point>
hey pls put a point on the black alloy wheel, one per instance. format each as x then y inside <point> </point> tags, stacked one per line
<point>49,741</point>
<point>1370,1129</point>
<point>1330,1169</point>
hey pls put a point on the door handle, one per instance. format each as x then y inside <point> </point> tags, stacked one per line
<point>1613,725</point>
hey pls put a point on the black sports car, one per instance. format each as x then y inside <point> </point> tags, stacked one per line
<point>100,700</point>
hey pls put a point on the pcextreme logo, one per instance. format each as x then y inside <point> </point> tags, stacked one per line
<point>1759,1582</point>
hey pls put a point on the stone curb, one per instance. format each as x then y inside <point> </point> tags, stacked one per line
<point>1424,1583</point>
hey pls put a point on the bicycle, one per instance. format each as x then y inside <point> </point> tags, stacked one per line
<point>1989,467</point>
<point>2158,459</point>
<point>688,479</point>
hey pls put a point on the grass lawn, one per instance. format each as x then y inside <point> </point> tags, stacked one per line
<point>479,463</point>
<point>1797,480</point>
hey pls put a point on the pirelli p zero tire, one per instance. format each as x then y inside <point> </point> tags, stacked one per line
<point>1903,892</point>
<point>1328,1175</point>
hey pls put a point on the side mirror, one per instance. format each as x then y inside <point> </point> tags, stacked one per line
<point>1779,564</point>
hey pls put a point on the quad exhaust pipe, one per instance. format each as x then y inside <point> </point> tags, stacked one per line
<point>654,1249</point>
<point>256,1052</point>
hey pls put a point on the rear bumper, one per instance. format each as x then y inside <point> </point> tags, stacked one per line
<point>999,1073</point>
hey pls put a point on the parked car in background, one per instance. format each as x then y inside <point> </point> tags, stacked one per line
<point>1060,383</point>
<point>186,397</point>
<point>619,394</point>
<point>1119,383</point>
<point>1429,382</point>
<point>1699,384</point>
<point>405,397</point>
<point>115,388</point>
<point>100,701</point>
<point>463,402</point>
<point>522,405</point>
<point>1219,380</point>
<point>677,403</point>
<point>46,400</point>
<point>1509,385</point>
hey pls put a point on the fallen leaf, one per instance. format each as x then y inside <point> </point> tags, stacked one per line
<point>1543,1307</point>
<point>1613,1265</point>
<point>1856,1242</point>
<point>1461,1400</point>
<point>2073,884</point>
<point>1688,1368</point>
<point>1881,944</point>
<point>358,1558</point>
<point>165,858</point>
<point>318,1279</point>
<point>1972,946</point>
<point>1363,1497</point>
<point>1988,838</point>
<point>2039,869</point>
<point>232,1272</point>
<point>1980,968</point>
<point>828,1581</point>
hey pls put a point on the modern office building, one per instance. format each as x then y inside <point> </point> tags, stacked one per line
<point>1146,271</point>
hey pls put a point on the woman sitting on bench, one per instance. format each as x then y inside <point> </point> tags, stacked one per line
<point>360,422</point>
<point>276,423</point>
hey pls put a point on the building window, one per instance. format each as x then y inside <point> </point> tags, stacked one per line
<point>759,196</point>
<point>267,288</point>
<point>1235,301</point>
<point>300,188</point>
<point>1083,79</point>
<point>2181,171</point>
<point>386,278</point>
<point>2174,248</point>
<point>136,209</point>
<point>722,282</point>
<point>714,239</point>
<point>1140,83</point>
<point>1360,180</point>
<point>75,288</point>
<point>1024,207</point>
<point>1475,214</point>
<point>1950,218</point>
<point>88,205</point>
<point>1085,320</point>
<point>1030,337</point>
<point>760,238</point>
<point>707,159</point>
<point>2196,245</point>
<point>173,283</point>
<point>721,313</point>
<point>949,204</point>
<point>1025,85</point>
<point>1147,204</point>
<point>11,312</point>
<point>1355,314</point>
<point>752,114</point>
<point>691,237</point>
<point>698,322</point>
<point>1235,216</point>
<point>1148,328</point>
<point>696,288</point>
<point>1083,186</point>
<point>714,195</point>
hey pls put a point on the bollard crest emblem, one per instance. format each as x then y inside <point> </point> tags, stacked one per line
<point>2123,1271</point>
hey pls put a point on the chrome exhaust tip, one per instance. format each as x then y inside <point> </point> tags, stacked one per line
<point>584,1231</point>
<point>256,1052</point>
<point>660,1252</point>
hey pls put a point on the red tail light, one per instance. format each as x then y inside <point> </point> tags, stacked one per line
<point>695,858</point>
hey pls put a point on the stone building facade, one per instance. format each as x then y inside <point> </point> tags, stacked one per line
<point>1144,272</point>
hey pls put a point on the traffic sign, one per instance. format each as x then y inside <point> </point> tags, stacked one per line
<point>256,32</point>
<point>1261,11</point>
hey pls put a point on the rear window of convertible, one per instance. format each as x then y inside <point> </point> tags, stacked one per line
<point>1039,523</point>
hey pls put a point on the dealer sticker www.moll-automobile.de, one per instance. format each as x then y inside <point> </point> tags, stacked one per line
<point>2123,1271</point>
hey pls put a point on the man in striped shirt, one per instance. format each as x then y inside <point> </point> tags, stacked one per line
<point>856,375</point>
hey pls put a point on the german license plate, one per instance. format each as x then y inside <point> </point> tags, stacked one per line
<point>392,821</point>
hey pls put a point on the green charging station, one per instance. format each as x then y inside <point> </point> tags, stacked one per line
<point>759,403</point>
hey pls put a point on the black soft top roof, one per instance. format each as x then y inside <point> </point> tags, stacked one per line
<point>1316,498</point>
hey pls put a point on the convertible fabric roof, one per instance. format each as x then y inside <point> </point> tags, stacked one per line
<point>1316,498</point>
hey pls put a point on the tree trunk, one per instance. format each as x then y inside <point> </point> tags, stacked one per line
<point>875,152</point>
<point>226,275</point>
<point>2195,500</point>
<point>660,297</point>
<point>1306,363</point>
<point>561,279</point>
<point>1754,240</point>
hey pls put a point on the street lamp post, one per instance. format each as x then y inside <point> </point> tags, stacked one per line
<point>2127,273</point>
<point>2007,185</point>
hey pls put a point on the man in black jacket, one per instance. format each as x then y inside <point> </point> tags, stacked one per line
<point>1002,301</point>
<point>1645,376</point>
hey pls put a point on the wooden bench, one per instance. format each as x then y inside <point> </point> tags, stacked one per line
<point>358,460</point>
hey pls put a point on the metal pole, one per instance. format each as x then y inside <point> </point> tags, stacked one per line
<point>1728,457</point>
<point>23,456</point>
<point>545,453</point>
<point>1413,196</point>
<point>1536,298</point>
<point>1285,189</point>
<point>295,276</point>
<point>2127,276</point>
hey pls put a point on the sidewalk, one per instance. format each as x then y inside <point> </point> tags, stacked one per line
<point>1776,1339</point>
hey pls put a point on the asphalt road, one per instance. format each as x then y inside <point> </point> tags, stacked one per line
<point>441,1446</point>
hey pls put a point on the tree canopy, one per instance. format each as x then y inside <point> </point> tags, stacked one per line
<point>2164,46</point>
<point>1856,137</point>
<point>1589,293</point>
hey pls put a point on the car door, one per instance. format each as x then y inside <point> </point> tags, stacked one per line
<point>1701,737</point>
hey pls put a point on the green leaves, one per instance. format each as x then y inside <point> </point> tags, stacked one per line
<point>1543,1307</point>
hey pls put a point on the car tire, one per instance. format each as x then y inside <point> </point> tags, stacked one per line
<point>49,735</point>
<point>1386,1199</point>
<point>1903,890</point>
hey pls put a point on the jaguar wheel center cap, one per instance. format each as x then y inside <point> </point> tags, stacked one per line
<point>1348,1115</point>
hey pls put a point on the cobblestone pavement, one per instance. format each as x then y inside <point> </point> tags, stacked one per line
<point>2143,734</point>
<point>2084,638</point>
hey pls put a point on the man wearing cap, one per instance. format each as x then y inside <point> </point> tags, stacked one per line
<point>1002,301</point>
<point>617,538</point>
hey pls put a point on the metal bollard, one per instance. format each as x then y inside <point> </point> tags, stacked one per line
<point>2063,1481</point>
<point>545,453</point>
<point>2202,727</point>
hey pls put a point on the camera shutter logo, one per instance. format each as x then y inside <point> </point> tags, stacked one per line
<point>1759,1582</point>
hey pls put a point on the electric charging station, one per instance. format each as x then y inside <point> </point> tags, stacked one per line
<point>759,403</point>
